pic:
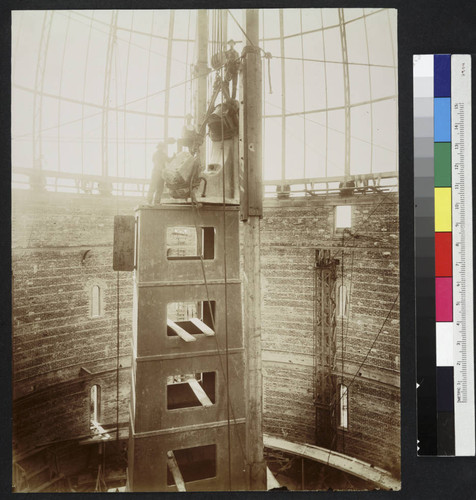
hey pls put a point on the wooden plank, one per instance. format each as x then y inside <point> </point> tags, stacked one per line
<point>205,329</point>
<point>36,472</point>
<point>46,485</point>
<point>100,435</point>
<point>28,453</point>
<point>100,430</point>
<point>271,481</point>
<point>199,392</point>
<point>184,335</point>
<point>380,477</point>
<point>123,248</point>
<point>174,469</point>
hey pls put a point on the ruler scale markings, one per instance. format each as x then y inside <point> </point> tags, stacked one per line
<point>462,261</point>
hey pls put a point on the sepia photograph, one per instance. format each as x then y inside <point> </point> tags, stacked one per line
<point>205,250</point>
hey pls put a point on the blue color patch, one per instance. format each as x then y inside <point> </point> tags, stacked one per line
<point>442,119</point>
<point>442,75</point>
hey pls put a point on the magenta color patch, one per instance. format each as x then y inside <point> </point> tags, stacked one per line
<point>444,299</point>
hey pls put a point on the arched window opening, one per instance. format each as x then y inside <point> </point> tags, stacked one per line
<point>342,302</point>
<point>343,406</point>
<point>96,309</point>
<point>94,404</point>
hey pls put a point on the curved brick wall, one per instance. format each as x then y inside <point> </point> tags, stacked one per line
<point>291,231</point>
<point>54,335</point>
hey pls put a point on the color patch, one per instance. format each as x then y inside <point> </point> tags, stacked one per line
<point>442,75</point>
<point>444,344</point>
<point>444,299</point>
<point>443,252</point>
<point>442,209</point>
<point>443,119</point>
<point>445,388</point>
<point>442,164</point>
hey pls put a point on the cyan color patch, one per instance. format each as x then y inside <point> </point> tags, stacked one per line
<point>442,119</point>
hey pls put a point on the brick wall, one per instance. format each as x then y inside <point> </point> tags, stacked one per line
<point>61,247</point>
<point>369,362</point>
<point>54,335</point>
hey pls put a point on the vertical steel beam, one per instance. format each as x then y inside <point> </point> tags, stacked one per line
<point>303,94</point>
<point>252,138</point>
<point>224,23</point>
<point>106,95</point>
<point>327,97</point>
<point>201,72</point>
<point>39,81</point>
<point>167,74</point>
<point>395,75</point>
<point>345,68</point>
<point>86,66</point>
<point>283,100</point>
<point>325,354</point>
<point>65,43</point>
<point>370,96</point>
<point>149,57</point>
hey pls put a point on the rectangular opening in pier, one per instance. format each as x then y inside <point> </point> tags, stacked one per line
<point>186,243</point>
<point>194,464</point>
<point>193,317</point>
<point>190,390</point>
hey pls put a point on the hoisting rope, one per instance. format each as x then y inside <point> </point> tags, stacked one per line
<point>196,211</point>
<point>226,285</point>
<point>268,56</point>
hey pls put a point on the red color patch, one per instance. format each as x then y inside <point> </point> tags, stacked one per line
<point>443,262</point>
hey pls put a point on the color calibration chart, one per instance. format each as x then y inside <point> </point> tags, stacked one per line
<point>443,254</point>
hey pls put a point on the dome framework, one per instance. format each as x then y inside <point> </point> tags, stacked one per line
<point>94,91</point>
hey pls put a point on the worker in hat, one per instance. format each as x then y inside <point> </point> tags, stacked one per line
<point>156,187</point>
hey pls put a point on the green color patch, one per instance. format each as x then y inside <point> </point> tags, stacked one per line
<point>443,164</point>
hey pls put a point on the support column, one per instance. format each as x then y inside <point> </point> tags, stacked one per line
<point>345,68</point>
<point>252,211</point>
<point>167,74</point>
<point>201,70</point>
<point>106,98</point>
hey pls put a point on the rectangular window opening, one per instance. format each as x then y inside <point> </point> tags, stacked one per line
<point>190,390</point>
<point>343,217</point>
<point>191,464</point>
<point>194,318</point>
<point>183,243</point>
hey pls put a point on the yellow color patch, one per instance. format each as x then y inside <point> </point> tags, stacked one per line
<point>442,209</point>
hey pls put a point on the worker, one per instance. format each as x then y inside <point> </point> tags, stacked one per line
<point>156,187</point>
<point>183,176</point>
<point>189,134</point>
<point>232,66</point>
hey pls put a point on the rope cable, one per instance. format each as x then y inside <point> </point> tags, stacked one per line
<point>224,365</point>
<point>225,269</point>
<point>241,29</point>
<point>118,291</point>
